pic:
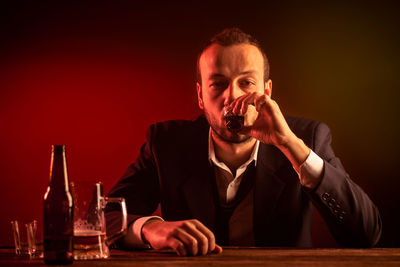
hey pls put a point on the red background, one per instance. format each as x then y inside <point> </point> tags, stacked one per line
<point>95,75</point>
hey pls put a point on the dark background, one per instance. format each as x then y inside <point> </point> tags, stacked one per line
<point>95,74</point>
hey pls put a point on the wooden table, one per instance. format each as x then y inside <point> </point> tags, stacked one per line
<point>234,257</point>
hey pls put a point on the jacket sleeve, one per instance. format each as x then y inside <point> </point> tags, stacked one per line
<point>352,218</point>
<point>139,186</point>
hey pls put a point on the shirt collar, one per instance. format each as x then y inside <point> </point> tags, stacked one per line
<point>213,159</point>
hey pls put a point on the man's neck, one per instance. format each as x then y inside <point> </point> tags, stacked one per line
<point>233,154</point>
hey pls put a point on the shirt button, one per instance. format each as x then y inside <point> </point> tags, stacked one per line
<point>325,196</point>
<point>341,215</point>
<point>331,202</point>
<point>336,211</point>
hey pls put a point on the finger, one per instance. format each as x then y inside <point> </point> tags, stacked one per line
<point>260,101</point>
<point>177,246</point>
<point>242,102</point>
<point>217,250</point>
<point>202,240</point>
<point>236,104</point>
<point>188,240</point>
<point>207,233</point>
<point>249,99</point>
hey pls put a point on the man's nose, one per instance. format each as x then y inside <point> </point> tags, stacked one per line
<point>231,93</point>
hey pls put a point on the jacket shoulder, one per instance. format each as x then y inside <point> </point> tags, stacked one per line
<point>178,132</point>
<point>180,126</point>
<point>307,129</point>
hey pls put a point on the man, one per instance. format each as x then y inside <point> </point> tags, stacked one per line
<point>252,187</point>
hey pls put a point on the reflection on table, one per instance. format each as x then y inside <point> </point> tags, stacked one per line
<point>233,256</point>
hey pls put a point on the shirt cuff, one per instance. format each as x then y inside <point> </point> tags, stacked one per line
<point>134,236</point>
<point>310,171</point>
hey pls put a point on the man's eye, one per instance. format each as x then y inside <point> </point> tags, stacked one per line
<point>247,83</point>
<point>219,85</point>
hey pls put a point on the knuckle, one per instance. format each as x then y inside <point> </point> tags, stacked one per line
<point>194,243</point>
<point>203,240</point>
<point>186,224</point>
<point>177,245</point>
<point>172,242</point>
<point>211,238</point>
<point>175,231</point>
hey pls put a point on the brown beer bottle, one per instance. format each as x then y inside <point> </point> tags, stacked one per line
<point>58,212</point>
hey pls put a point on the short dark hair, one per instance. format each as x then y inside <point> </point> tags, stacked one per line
<point>233,36</point>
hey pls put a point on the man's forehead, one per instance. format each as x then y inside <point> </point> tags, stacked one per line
<point>236,58</point>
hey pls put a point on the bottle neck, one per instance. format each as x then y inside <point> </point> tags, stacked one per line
<point>58,169</point>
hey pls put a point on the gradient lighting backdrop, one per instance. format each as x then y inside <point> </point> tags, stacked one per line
<point>95,75</point>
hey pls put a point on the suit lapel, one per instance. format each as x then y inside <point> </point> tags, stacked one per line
<point>268,188</point>
<point>199,185</point>
<point>198,190</point>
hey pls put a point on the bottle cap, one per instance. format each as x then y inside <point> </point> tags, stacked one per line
<point>58,149</point>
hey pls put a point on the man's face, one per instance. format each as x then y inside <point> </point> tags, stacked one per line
<point>226,74</point>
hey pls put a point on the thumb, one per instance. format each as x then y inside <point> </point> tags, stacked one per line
<point>217,249</point>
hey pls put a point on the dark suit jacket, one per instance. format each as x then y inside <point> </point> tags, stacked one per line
<point>173,169</point>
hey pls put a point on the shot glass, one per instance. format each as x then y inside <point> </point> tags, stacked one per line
<point>26,239</point>
<point>233,122</point>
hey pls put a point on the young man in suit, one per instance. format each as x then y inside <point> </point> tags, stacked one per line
<point>252,186</point>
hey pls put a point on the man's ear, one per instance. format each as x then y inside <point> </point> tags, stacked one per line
<point>268,87</point>
<point>199,96</point>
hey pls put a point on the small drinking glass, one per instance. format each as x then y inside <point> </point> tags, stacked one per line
<point>233,122</point>
<point>26,239</point>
